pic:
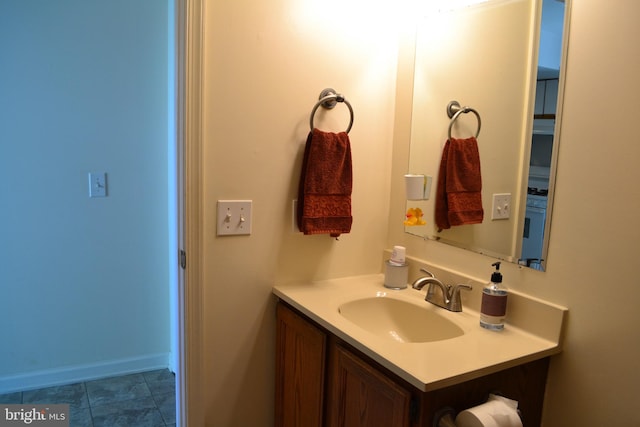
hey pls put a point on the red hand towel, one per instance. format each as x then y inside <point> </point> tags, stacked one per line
<point>324,195</point>
<point>458,195</point>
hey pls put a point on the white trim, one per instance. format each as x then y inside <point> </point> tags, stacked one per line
<point>173,192</point>
<point>79,373</point>
<point>181,28</point>
<point>189,53</point>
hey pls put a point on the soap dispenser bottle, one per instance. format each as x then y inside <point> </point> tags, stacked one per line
<point>494,302</point>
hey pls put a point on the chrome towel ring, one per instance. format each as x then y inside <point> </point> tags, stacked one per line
<point>454,111</point>
<point>328,99</point>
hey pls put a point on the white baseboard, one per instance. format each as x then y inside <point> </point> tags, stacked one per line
<point>80,373</point>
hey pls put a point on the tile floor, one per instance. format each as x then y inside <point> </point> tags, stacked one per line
<point>137,400</point>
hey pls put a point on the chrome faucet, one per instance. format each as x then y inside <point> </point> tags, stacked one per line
<point>449,295</point>
<point>421,281</point>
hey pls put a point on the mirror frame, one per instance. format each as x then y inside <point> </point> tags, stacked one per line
<point>557,131</point>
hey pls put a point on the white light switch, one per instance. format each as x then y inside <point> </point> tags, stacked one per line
<point>501,207</point>
<point>234,217</point>
<point>97,184</point>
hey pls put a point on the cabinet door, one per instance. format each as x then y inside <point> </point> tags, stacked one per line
<point>361,396</point>
<point>300,358</point>
<point>551,96</point>
<point>538,107</point>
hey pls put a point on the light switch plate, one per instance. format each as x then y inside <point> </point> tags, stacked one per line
<point>97,184</point>
<point>234,217</point>
<point>501,206</point>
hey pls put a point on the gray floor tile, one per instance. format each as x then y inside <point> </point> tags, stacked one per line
<point>117,389</point>
<point>73,394</point>
<point>138,400</point>
<point>166,403</point>
<point>80,417</point>
<point>159,375</point>
<point>160,382</point>
<point>137,412</point>
<point>11,398</point>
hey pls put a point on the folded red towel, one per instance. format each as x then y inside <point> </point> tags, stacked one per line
<point>458,194</point>
<point>324,195</point>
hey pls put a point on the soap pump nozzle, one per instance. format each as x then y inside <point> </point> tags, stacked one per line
<point>496,276</point>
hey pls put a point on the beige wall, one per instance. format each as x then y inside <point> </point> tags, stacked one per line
<point>592,268</point>
<point>264,66</point>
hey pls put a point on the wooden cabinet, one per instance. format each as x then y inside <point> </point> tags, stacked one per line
<point>300,362</point>
<point>323,381</point>
<point>361,396</point>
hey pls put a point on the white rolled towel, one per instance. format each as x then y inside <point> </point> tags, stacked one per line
<point>498,411</point>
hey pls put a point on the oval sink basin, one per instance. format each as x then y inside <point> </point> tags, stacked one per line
<point>399,320</point>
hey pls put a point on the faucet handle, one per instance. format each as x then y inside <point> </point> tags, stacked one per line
<point>455,302</point>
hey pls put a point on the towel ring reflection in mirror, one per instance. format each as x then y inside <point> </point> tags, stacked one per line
<point>454,111</point>
<point>328,99</point>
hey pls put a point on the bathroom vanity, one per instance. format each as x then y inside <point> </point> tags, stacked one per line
<point>337,371</point>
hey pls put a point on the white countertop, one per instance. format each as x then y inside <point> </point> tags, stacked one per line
<point>432,365</point>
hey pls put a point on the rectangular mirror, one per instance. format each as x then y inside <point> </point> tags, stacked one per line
<point>485,56</point>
